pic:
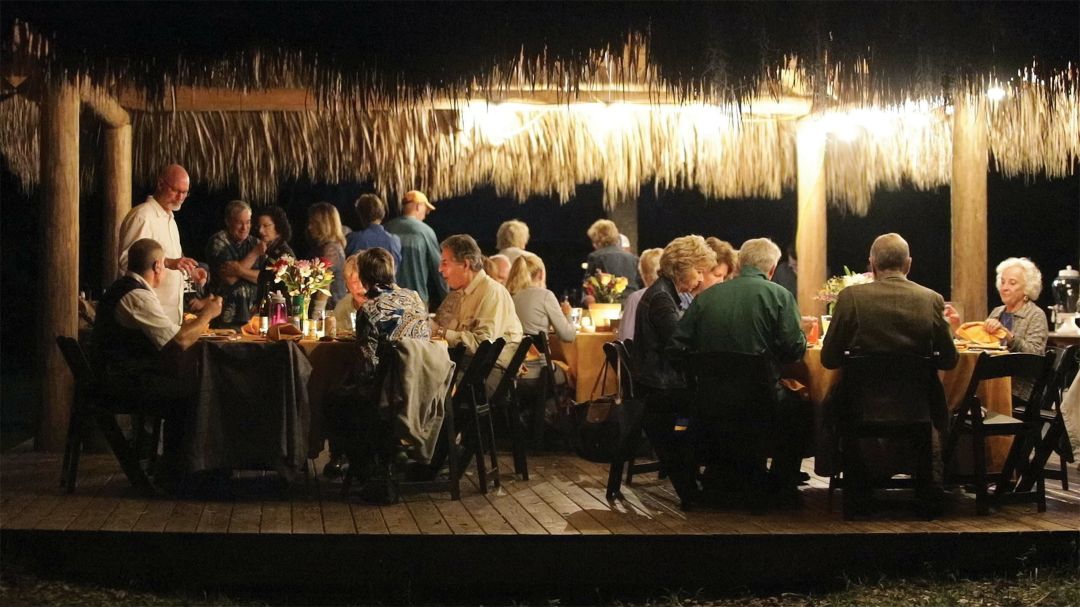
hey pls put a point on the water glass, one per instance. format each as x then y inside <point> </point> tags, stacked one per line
<point>825,320</point>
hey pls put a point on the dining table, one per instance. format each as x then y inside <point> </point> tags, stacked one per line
<point>995,395</point>
<point>261,403</point>
<point>585,361</point>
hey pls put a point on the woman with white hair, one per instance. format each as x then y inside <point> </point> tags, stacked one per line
<point>1019,283</point>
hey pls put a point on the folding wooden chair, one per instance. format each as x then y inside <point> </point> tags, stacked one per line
<point>886,397</point>
<point>1053,436</point>
<point>473,411</point>
<point>397,485</point>
<point>506,397</point>
<point>618,359</point>
<point>973,421</point>
<point>92,403</point>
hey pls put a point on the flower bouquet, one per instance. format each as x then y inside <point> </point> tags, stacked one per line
<point>832,287</point>
<point>303,278</point>
<point>604,287</point>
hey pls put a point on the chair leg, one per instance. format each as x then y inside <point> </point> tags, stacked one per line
<point>72,450</point>
<point>492,454</point>
<point>125,454</point>
<point>1064,472</point>
<point>614,480</point>
<point>978,458</point>
<point>453,475</point>
<point>517,435</point>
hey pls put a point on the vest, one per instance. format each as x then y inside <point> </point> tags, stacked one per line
<point>118,347</point>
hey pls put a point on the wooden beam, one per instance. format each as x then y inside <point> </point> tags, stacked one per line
<point>811,236</point>
<point>191,99</point>
<point>968,196</point>
<point>117,199</point>
<point>104,105</point>
<point>59,273</point>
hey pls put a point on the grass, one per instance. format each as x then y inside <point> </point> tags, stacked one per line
<point>1041,587</point>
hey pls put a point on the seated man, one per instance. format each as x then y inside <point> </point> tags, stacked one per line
<point>485,309</point>
<point>233,254</point>
<point>751,315</point>
<point>134,337</point>
<point>894,315</point>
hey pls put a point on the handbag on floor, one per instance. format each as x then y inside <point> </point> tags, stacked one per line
<point>600,428</point>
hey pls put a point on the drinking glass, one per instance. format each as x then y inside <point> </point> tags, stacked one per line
<point>825,320</point>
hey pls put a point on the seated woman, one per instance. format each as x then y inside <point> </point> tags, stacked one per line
<point>390,313</point>
<point>346,309</point>
<point>648,267</point>
<point>1019,283</point>
<point>683,266</point>
<point>274,233</point>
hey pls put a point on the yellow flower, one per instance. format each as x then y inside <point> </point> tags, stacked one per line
<point>605,279</point>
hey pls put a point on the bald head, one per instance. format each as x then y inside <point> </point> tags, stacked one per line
<point>172,187</point>
<point>890,253</point>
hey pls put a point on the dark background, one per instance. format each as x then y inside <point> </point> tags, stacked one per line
<point>439,43</point>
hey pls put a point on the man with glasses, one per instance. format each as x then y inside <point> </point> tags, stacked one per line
<point>154,219</point>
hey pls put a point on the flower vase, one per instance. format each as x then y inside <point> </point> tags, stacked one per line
<point>300,304</point>
<point>603,313</point>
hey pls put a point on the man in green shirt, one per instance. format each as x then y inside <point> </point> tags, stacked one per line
<point>419,269</point>
<point>750,315</point>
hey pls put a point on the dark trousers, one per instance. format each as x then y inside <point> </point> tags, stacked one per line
<point>159,395</point>
<point>673,447</point>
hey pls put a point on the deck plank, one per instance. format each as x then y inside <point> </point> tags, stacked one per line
<point>215,518</point>
<point>368,519</point>
<point>276,517</point>
<point>306,517</point>
<point>428,518</point>
<point>154,516</point>
<point>458,518</point>
<point>185,517</point>
<point>399,520</point>
<point>246,517</point>
<point>337,518</point>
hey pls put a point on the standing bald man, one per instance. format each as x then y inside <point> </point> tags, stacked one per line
<point>154,219</point>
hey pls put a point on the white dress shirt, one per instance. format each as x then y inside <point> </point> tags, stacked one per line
<point>141,309</point>
<point>151,220</point>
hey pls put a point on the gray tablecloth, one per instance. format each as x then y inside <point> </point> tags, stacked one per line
<point>252,410</point>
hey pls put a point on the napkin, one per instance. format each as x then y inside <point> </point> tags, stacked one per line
<point>284,331</point>
<point>976,332</point>
<point>252,328</point>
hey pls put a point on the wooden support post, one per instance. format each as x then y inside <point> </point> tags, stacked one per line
<point>968,196</point>
<point>811,237</point>
<point>117,200</point>
<point>59,273</point>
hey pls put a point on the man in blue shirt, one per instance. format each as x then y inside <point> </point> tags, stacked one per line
<point>420,252</point>
<point>371,210</point>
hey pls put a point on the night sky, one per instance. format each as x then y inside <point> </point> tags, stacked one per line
<point>439,42</point>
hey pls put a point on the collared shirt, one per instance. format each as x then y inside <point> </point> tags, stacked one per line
<point>237,298</point>
<point>151,220</point>
<point>746,315</point>
<point>141,309</point>
<point>374,236</point>
<point>419,269</point>
<point>486,312</point>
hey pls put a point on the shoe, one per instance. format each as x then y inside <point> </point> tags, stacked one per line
<point>336,467</point>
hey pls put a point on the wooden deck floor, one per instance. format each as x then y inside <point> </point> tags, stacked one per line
<point>564,496</point>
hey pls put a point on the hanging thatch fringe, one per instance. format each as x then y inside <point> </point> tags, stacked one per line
<point>610,118</point>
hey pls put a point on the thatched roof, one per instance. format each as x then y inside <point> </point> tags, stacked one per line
<point>539,120</point>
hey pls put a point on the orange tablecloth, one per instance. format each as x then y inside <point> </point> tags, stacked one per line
<point>585,357</point>
<point>996,395</point>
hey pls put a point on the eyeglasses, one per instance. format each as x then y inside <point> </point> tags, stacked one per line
<point>177,190</point>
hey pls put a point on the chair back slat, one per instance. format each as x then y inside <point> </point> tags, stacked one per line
<point>889,386</point>
<point>511,371</point>
<point>76,360</point>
